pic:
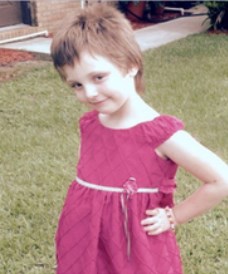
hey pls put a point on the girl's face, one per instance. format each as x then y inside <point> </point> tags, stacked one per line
<point>100,84</point>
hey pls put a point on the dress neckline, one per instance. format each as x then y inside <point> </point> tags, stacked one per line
<point>127,128</point>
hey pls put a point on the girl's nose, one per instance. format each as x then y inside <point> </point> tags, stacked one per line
<point>90,91</point>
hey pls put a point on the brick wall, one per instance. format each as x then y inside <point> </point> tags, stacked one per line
<point>46,15</point>
<point>49,14</point>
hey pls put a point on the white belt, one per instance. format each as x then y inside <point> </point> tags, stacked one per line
<point>115,189</point>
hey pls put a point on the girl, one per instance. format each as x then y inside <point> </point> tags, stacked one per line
<point>119,215</point>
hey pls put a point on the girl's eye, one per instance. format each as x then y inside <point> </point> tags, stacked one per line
<point>99,78</point>
<point>76,85</point>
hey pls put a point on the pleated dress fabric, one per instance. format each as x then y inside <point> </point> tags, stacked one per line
<point>91,237</point>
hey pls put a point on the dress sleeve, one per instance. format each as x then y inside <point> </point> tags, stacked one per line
<point>87,119</point>
<point>163,128</point>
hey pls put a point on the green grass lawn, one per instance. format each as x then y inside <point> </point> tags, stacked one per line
<point>39,140</point>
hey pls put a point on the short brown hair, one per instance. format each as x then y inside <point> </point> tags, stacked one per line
<point>100,29</point>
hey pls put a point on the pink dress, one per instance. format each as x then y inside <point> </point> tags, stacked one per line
<point>91,238</point>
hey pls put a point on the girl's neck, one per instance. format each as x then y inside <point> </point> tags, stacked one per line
<point>138,111</point>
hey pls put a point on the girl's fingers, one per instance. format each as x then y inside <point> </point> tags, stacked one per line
<point>157,223</point>
<point>153,227</point>
<point>152,212</point>
<point>148,221</point>
<point>154,216</point>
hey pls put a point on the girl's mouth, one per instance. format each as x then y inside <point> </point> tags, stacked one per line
<point>98,103</point>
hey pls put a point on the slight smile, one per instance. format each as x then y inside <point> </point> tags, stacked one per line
<point>97,103</point>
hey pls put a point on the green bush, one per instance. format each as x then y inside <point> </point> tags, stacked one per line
<point>217,14</point>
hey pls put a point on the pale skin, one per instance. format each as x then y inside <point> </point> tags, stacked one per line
<point>104,87</point>
<point>205,166</point>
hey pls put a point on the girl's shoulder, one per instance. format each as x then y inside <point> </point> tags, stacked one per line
<point>162,128</point>
<point>166,122</point>
<point>87,118</point>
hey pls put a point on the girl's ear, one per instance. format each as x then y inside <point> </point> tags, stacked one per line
<point>133,71</point>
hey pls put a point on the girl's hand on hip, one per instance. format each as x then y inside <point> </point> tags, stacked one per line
<point>156,222</point>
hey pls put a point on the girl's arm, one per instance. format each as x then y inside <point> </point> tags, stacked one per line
<point>204,165</point>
